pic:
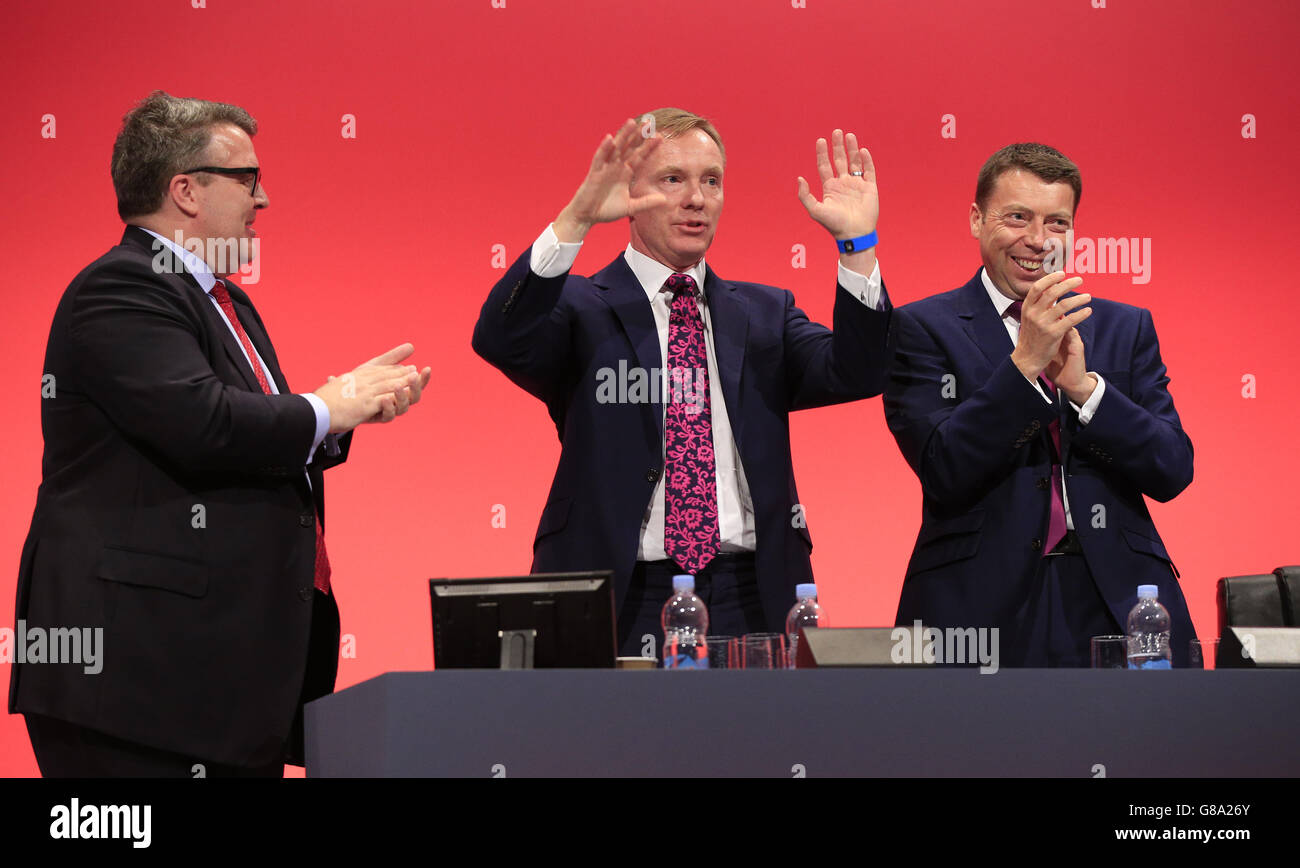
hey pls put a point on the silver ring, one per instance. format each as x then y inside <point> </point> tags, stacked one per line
<point>856,174</point>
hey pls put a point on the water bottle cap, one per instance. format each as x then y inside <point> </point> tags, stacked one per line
<point>1148,592</point>
<point>683,583</point>
<point>808,589</point>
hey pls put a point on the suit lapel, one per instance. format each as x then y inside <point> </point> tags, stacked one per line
<point>981,321</point>
<point>728,318</point>
<point>983,326</point>
<point>252,324</point>
<point>234,352</point>
<point>729,321</point>
<point>620,289</point>
<point>137,237</point>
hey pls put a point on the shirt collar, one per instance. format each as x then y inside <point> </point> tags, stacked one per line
<point>193,264</point>
<point>653,275</point>
<point>1000,301</point>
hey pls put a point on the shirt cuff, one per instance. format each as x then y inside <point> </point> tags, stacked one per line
<point>552,257</point>
<point>322,423</point>
<point>864,289</point>
<point>1090,406</point>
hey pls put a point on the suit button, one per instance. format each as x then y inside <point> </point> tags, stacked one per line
<point>652,475</point>
<point>306,519</point>
<point>1042,483</point>
<point>304,594</point>
<point>1036,545</point>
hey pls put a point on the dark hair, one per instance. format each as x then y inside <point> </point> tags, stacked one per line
<point>159,137</point>
<point>1047,163</point>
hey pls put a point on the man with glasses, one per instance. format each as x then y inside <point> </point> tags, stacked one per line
<point>180,516</point>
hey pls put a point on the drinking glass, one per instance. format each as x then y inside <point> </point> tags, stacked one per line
<point>1109,652</point>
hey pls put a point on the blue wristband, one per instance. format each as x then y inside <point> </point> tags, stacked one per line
<point>859,244</point>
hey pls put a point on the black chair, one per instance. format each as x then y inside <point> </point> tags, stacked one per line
<point>1264,601</point>
<point>1259,601</point>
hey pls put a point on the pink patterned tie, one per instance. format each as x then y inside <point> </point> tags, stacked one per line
<point>321,571</point>
<point>1056,528</point>
<point>691,484</point>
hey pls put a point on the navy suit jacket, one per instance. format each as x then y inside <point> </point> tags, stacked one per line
<point>975,431</point>
<point>553,336</point>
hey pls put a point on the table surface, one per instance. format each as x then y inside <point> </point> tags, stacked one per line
<point>882,722</point>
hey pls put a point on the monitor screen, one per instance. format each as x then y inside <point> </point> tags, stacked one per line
<point>555,620</point>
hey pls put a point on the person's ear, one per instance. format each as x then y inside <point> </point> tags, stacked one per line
<point>183,191</point>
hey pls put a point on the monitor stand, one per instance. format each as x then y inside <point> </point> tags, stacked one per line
<point>517,648</point>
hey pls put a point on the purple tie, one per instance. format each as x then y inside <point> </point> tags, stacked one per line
<point>1056,521</point>
<point>691,484</point>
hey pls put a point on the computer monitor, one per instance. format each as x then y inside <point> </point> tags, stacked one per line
<point>542,621</point>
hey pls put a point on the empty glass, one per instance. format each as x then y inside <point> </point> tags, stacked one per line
<point>723,652</point>
<point>1109,652</point>
<point>764,650</point>
<point>1201,653</point>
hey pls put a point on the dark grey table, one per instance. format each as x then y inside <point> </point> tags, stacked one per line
<point>814,723</point>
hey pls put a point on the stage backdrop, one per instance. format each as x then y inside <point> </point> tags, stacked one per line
<point>412,149</point>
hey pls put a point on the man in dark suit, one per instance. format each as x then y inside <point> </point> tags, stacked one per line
<point>671,387</point>
<point>181,509</point>
<point>1036,419</point>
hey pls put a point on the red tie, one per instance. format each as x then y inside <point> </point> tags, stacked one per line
<point>222,295</point>
<point>1056,528</point>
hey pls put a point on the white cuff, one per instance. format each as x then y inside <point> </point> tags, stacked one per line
<point>864,289</point>
<point>322,423</point>
<point>1090,406</point>
<point>552,257</point>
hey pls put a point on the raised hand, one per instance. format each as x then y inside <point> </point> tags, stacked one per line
<point>1045,320</point>
<point>603,196</point>
<point>850,204</point>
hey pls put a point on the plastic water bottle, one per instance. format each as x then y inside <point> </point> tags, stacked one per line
<point>686,624</point>
<point>806,612</point>
<point>1148,632</point>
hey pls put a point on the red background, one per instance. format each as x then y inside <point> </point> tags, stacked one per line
<point>474,125</point>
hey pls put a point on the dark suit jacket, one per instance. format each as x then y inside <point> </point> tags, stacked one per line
<point>979,443</point>
<point>553,336</point>
<point>174,513</point>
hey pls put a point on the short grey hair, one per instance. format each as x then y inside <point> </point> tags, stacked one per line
<point>160,137</point>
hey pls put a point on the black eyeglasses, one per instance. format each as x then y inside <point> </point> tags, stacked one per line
<point>255,171</point>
